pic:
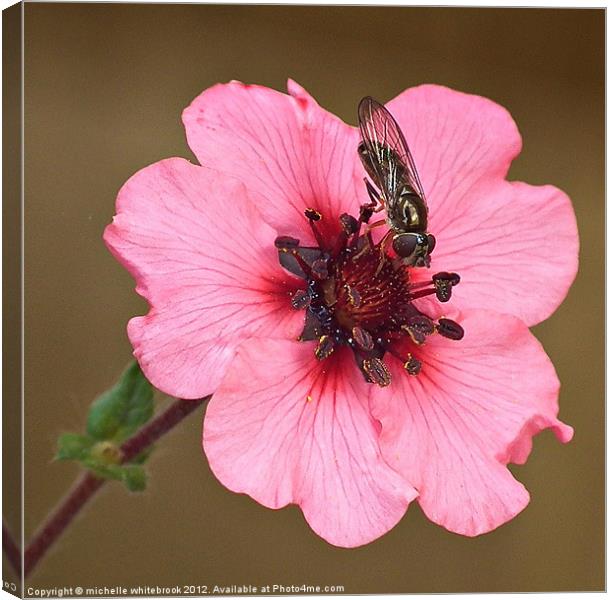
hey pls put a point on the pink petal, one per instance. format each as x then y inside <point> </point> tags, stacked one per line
<point>265,438</point>
<point>288,151</point>
<point>205,261</point>
<point>515,245</point>
<point>473,408</point>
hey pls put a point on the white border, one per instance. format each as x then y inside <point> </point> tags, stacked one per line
<point>449,3</point>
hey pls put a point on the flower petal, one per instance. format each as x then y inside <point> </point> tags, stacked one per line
<point>473,408</point>
<point>206,262</point>
<point>456,139</point>
<point>517,254</point>
<point>288,151</point>
<point>264,437</point>
<point>515,245</point>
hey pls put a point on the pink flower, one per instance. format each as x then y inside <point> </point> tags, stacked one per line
<point>225,317</point>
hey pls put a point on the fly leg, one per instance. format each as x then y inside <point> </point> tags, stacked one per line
<point>382,245</point>
<point>367,210</point>
<point>368,235</point>
<point>371,226</point>
<point>375,205</point>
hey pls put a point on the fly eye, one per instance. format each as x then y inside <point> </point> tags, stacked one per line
<point>431,243</point>
<point>405,244</point>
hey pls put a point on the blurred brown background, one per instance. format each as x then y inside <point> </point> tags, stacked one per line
<point>105,86</point>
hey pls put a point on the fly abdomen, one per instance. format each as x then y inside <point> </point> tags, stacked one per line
<point>409,213</point>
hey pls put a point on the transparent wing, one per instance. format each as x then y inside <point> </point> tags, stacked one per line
<point>388,151</point>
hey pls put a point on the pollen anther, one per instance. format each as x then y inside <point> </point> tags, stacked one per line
<point>300,300</point>
<point>362,338</point>
<point>377,371</point>
<point>312,214</point>
<point>325,347</point>
<point>412,365</point>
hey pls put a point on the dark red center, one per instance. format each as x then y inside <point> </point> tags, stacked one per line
<point>359,295</point>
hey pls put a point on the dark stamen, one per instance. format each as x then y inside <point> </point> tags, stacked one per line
<point>301,299</point>
<point>442,286</point>
<point>354,296</point>
<point>444,282</point>
<point>350,225</point>
<point>319,268</point>
<point>284,242</point>
<point>325,347</point>
<point>416,335</point>
<point>362,338</point>
<point>298,260</point>
<point>314,217</point>
<point>297,257</point>
<point>312,328</point>
<point>451,278</point>
<point>376,371</point>
<point>412,365</point>
<point>421,323</point>
<point>312,214</point>
<point>359,295</point>
<point>450,329</point>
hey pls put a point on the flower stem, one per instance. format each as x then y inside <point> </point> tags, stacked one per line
<point>84,488</point>
<point>11,549</point>
<point>88,484</point>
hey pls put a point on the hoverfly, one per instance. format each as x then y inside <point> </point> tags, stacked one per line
<point>387,160</point>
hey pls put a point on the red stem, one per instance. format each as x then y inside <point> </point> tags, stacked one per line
<point>12,551</point>
<point>88,484</point>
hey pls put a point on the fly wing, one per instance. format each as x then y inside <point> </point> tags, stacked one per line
<point>387,150</point>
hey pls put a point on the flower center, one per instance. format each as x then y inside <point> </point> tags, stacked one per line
<point>359,295</point>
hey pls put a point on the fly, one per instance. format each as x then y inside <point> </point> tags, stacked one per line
<point>395,184</point>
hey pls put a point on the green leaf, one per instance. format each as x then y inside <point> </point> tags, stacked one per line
<point>102,470</point>
<point>73,446</point>
<point>120,411</point>
<point>135,478</point>
<point>113,417</point>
